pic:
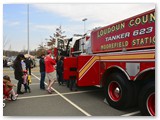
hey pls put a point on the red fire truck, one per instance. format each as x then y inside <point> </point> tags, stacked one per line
<point>121,60</point>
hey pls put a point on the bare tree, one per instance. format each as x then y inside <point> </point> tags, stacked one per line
<point>5,41</point>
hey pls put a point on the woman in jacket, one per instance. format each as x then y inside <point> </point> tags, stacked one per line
<point>18,72</point>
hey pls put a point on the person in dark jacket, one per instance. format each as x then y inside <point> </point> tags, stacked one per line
<point>42,71</point>
<point>18,72</point>
<point>29,63</point>
<point>60,70</point>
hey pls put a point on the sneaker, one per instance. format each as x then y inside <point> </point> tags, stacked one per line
<point>49,91</point>
<point>16,95</point>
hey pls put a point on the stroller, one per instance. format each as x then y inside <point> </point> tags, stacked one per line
<point>7,88</point>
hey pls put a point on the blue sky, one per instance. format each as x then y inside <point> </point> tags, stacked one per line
<point>45,18</point>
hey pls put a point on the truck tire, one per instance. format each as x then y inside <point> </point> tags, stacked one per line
<point>147,100</point>
<point>119,91</point>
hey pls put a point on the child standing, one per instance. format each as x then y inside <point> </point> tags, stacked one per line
<point>26,81</point>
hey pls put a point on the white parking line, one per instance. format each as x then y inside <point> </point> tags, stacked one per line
<point>76,106</point>
<point>37,96</point>
<point>40,96</point>
<point>132,113</point>
<point>33,84</point>
<point>68,93</point>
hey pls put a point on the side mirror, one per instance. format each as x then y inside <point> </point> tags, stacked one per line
<point>70,40</point>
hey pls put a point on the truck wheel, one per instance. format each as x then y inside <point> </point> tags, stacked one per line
<point>147,100</point>
<point>119,91</point>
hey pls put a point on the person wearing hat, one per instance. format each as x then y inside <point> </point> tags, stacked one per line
<point>50,70</point>
<point>18,72</point>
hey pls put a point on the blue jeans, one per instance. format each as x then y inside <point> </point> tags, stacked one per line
<point>42,85</point>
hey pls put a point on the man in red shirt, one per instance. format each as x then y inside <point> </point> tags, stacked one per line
<point>50,70</point>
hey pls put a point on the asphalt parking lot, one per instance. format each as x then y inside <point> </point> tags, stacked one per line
<point>87,101</point>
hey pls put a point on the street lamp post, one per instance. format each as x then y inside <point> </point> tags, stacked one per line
<point>84,23</point>
<point>84,34</point>
<point>28,26</point>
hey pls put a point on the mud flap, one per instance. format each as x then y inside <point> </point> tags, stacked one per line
<point>70,72</point>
